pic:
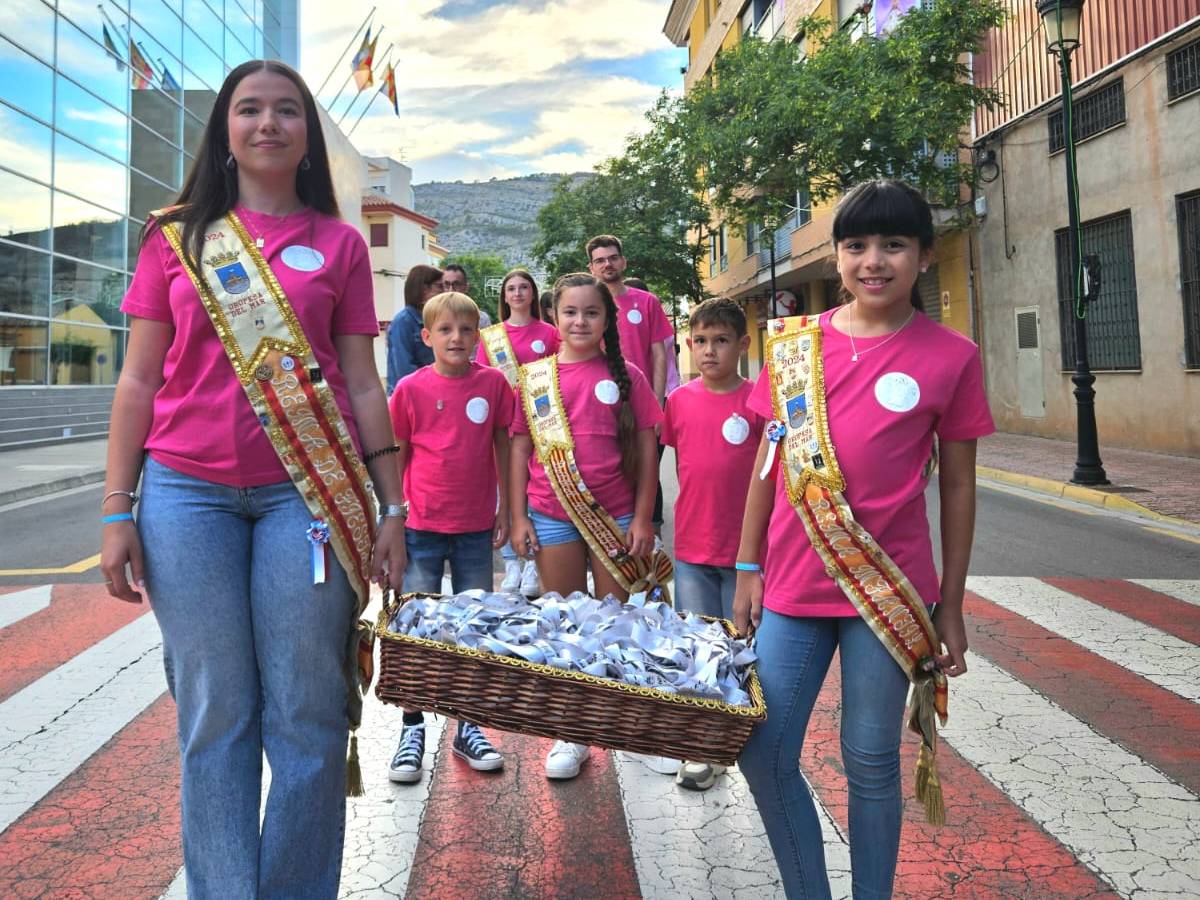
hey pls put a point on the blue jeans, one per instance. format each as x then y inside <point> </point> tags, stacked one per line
<point>257,659</point>
<point>707,590</point>
<point>793,656</point>
<point>469,555</point>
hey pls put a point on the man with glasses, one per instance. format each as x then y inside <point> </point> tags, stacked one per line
<point>454,278</point>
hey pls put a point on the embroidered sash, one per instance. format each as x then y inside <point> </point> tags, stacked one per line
<point>873,583</point>
<point>547,417</point>
<point>275,365</point>
<point>500,351</point>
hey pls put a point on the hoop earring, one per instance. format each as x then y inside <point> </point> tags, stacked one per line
<point>305,164</point>
<point>230,162</point>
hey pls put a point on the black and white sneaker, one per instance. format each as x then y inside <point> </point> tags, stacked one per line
<point>405,767</point>
<point>471,745</point>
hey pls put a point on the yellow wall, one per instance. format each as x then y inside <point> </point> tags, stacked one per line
<point>953,262</point>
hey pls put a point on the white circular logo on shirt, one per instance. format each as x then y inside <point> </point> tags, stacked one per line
<point>539,346</point>
<point>634,316</point>
<point>301,258</point>
<point>897,392</point>
<point>735,430</point>
<point>607,392</point>
<point>477,410</point>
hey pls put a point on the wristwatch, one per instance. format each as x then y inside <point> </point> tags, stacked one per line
<point>394,510</point>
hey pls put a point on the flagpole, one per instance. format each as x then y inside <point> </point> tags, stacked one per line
<point>374,97</point>
<point>350,46</point>
<point>382,64</point>
<point>338,95</point>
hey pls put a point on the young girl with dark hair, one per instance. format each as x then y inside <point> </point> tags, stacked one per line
<point>567,508</point>
<point>519,338</point>
<point>857,397</point>
<point>251,320</point>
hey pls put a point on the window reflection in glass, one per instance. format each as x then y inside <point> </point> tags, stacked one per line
<point>86,294</point>
<point>29,25</point>
<point>24,280</point>
<point>200,18</point>
<point>24,211</point>
<point>193,127</point>
<point>22,350</point>
<point>236,51</point>
<point>84,172</point>
<point>145,195</point>
<point>27,82</point>
<point>81,353</point>
<point>85,60</point>
<point>156,157</point>
<point>203,60</point>
<point>88,232</point>
<point>155,18</point>
<point>24,144</point>
<point>92,121</point>
<point>158,110</point>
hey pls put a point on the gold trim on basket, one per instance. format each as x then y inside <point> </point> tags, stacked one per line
<point>757,711</point>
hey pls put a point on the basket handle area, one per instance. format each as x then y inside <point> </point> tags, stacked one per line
<point>392,601</point>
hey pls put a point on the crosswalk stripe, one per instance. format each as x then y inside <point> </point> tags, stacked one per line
<point>1156,724</point>
<point>48,729</point>
<point>1158,657</point>
<point>1123,818</point>
<point>1160,611</point>
<point>1186,590</point>
<point>17,606</point>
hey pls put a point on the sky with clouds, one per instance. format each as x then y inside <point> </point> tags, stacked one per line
<point>498,88</point>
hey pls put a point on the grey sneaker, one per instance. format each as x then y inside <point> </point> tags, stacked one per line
<point>405,767</point>
<point>698,776</point>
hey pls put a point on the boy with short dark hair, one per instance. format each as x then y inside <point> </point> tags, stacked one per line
<point>715,437</point>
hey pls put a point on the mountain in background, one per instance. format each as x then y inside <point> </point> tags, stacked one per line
<point>497,216</point>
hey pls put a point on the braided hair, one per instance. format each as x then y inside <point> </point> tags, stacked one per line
<point>626,425</point>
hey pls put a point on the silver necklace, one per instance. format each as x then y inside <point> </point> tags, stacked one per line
<point>854,352</point>
<point>260,237</point>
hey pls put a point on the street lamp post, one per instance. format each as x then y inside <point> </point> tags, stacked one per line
<point>1061,19</point>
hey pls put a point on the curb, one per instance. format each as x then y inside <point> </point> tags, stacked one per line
<point>1079,494</point>
<point>29,491</point>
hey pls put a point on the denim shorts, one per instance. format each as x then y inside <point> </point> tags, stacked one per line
<point>551,531</point>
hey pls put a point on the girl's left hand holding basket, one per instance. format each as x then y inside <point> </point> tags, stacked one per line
<point>389,558</point>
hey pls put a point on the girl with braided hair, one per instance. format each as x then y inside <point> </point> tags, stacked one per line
<point>587,397</point>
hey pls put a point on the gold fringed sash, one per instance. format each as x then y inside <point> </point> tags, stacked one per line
<point>873,583</point>
<point>275,365</point>
<point>547,417</point>
<point>500,351</point>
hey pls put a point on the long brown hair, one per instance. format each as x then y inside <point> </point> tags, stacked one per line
<point>626,424</point>
<point>535,307</point>
<point>211,188</point>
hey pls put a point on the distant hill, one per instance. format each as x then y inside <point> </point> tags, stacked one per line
<point>497,216</point>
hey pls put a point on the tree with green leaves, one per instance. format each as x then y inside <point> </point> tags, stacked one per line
<point>479,268</point>
<point>775,118</point>
<point>648,198</point>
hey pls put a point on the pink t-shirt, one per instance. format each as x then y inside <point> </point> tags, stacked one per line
<point>591,400</point>
<point>450,423</point>
<point>715,437</point>
<point>641,323</point>
<point>203,423</point>
<point>884,410</point>
<point>529,342</point>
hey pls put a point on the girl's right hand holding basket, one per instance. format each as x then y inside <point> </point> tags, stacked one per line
<point>747,602</point>
<point>119,546</point>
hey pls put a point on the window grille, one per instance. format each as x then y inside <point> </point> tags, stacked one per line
<point>1188,215</point>
<point>1183,71</point>
<point>1027,330</point>
<point>1114,341</point>
<point>1100,110</point>
<point>931,294</point>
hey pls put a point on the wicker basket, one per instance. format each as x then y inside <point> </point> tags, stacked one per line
<point>530,698</point>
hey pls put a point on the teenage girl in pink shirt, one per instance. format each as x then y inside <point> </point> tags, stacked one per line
<point>531,339</point>
<point>894,380</point>
<point>612,414</point>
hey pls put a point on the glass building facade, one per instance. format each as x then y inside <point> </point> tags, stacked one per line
<point>101,108</point>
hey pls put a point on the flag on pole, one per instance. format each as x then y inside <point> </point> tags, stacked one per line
<point>110,48</point>
<point>168,80</point>
<point>388,88</point>
<point>363,61</point>
<point>139,69</point>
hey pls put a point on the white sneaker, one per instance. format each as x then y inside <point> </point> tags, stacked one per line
<point>530,586</point>
<point>698,776</point>
<point>565,759</point>
<point>512,576</point>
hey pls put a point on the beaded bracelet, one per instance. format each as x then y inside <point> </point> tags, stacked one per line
<point>382,451</point>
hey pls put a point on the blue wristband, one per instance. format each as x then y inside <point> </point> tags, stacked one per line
<point>747,567</point>
<point>117,517</point>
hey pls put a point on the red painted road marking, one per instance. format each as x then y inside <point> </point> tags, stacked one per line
<point>1159,726</point>
<point>79,615</point>
<point>988,848</point>
<point>111,829</point>
<point>517,834</point>
<point>1146,606</point>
